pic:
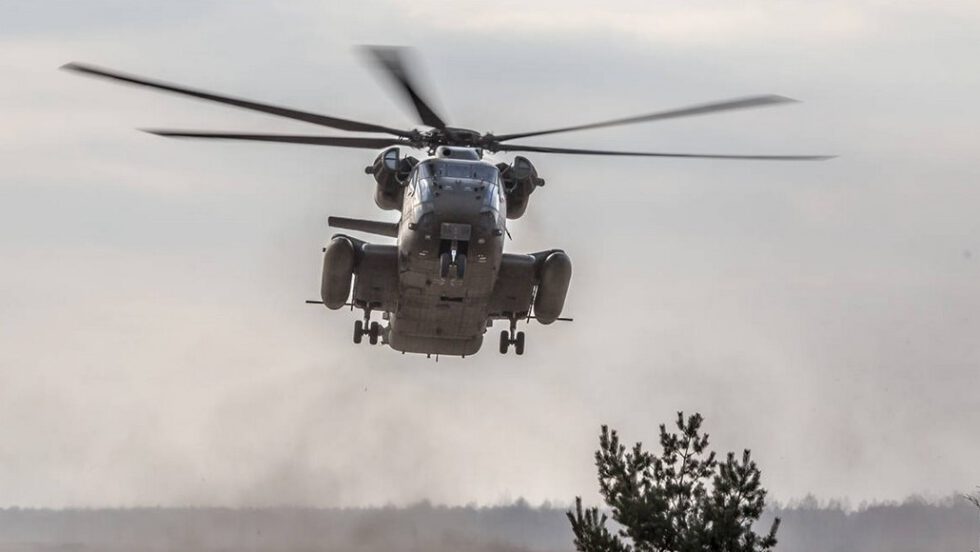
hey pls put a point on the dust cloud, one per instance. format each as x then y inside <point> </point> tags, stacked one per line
<point>912,525</point>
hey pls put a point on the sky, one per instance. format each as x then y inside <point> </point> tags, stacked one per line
<point>154,344</point>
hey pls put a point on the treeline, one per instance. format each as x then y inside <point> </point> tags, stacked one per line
<point>912,525</point>
<point>915,524</point>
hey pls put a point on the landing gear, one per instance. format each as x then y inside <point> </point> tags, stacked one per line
<point>373,330</point>
<point>512,337</point>
<point>453,258</point>
<point>447,263</point>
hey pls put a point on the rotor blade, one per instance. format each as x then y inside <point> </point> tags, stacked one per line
<point>392,60</point>
<point>542,149</point>
<point>340,141</point>
<point>323,120</point>
<point>728,105</point>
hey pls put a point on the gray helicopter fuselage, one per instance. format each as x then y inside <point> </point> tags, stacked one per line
<point>447,279</point>
<point>450,246</point>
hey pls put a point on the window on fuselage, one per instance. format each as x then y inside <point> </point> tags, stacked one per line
<point>424,169</point>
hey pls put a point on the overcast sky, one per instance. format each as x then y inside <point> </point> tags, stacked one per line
<point>154,344</point>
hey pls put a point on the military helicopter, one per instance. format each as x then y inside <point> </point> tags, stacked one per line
<point>447,279</point>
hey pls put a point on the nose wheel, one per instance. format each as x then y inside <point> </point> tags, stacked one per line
<point>452,267</point>
<point>512,337</point>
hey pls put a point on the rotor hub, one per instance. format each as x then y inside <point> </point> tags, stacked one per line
<point>450,136</point>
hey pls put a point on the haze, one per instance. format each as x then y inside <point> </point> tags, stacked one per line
<point>154,344</point>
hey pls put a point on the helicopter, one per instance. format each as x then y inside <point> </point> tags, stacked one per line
<point>447,279</point>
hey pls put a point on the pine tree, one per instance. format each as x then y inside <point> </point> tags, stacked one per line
<point>684,500</point>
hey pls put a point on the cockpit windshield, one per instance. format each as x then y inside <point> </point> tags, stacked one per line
<point>436,176</point>
<point>455,169</point>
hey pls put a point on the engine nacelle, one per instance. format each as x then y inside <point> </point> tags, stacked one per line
<point>339,260</point>
<point>519,179</point>
<point>554,274</point>
<point>390,172</point>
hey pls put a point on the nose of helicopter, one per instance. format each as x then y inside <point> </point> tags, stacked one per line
<point>460,201</point>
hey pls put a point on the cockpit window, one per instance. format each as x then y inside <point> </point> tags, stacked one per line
<point>424,170</point>
<point>437,176</point>
<point>449,169</point>
<point>472,171</point>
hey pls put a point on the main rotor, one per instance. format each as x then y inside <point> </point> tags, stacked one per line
<point>392,62</point>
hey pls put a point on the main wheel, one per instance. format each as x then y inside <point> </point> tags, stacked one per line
<point>519,343</point>
<point>504,342</point>
<point>374,333</point>
<point>358,331</point>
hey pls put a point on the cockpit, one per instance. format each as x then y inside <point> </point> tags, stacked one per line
<point>435,177</point>
<point>468,170</point>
